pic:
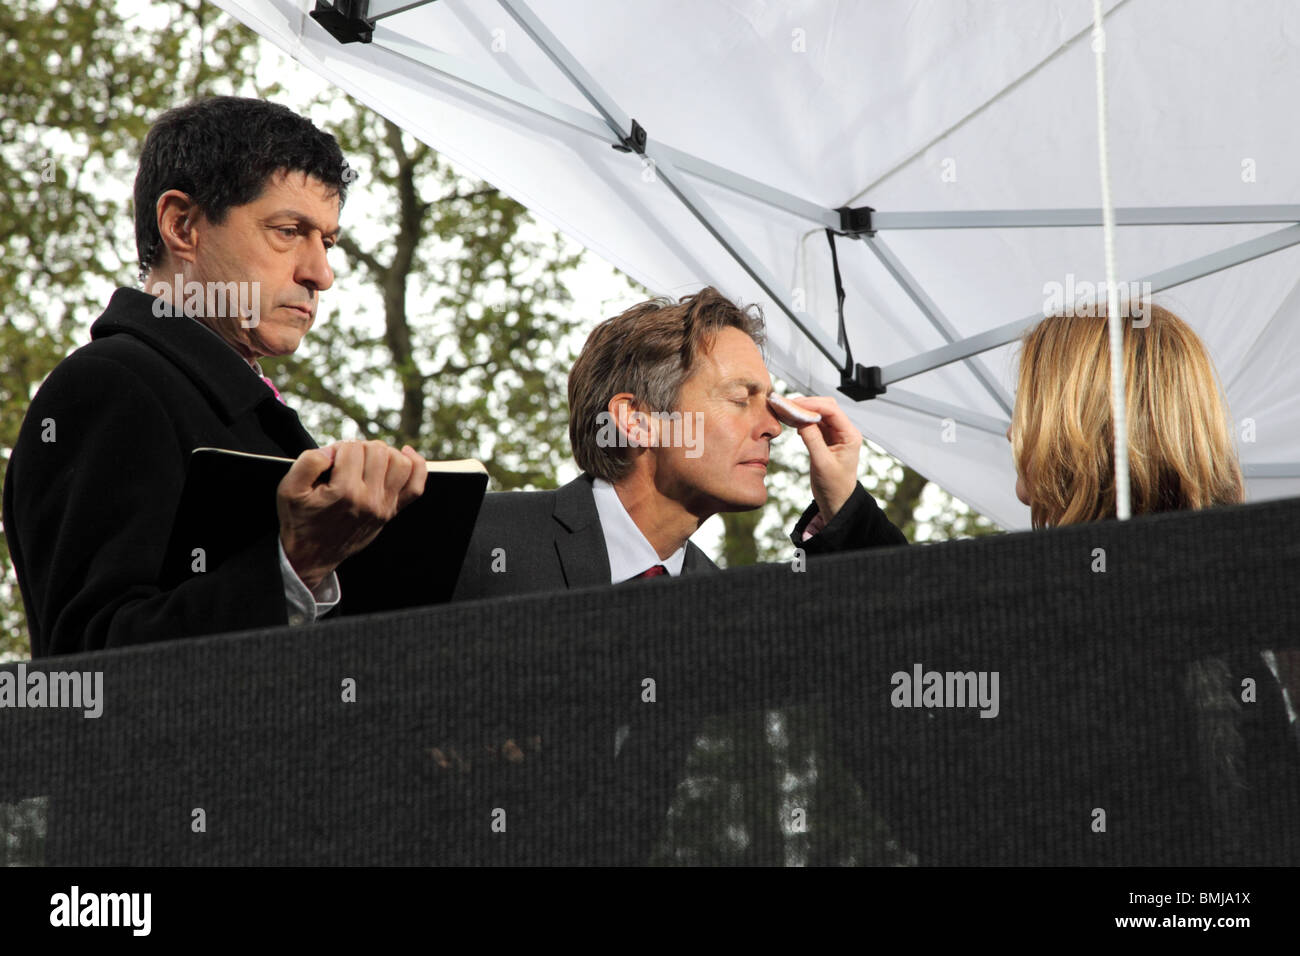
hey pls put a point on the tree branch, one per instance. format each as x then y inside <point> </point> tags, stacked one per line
<point>452,196</point>
<point>449,367</point>
<point>393,137</point>
<point>314,390</point>
<point>354,251</point>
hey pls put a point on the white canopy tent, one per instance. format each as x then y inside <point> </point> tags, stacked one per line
<point>968,127</point>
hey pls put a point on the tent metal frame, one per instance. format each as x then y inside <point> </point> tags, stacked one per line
<point>349,20</point>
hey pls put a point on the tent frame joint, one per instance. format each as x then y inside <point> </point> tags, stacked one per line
<point>345,20</point>
<point>633,142</point>
<point>862,382</point>
<point>856,221</point>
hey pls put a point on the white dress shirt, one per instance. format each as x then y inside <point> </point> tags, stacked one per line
<point>303,604</point>
<point>629,552</point>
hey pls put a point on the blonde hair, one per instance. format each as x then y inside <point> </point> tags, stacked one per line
<point>1181,452</point>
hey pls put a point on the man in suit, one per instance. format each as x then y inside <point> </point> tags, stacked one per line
<point>236,205</point>
<point>671,423</point>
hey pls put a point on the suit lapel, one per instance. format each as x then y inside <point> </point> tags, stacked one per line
<point>283,425</point>
<point>697,562</point>
<point>579,540</point>
<point>241,399</point>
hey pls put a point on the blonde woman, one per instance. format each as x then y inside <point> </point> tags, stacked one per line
<point>1181,456</point>
<point>1181,453</point>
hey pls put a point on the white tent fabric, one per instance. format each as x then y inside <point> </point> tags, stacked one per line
<point>932,105</point>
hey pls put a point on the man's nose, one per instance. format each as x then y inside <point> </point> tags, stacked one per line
<point>314,268</point>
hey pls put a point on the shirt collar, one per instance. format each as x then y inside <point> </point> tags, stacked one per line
<point>629,551</point>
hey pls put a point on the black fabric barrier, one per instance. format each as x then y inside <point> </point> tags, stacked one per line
<point>485,733</point>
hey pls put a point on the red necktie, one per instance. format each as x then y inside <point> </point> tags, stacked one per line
<point>654,572</point>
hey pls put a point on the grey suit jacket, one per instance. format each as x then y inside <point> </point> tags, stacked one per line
<point>543,541</point>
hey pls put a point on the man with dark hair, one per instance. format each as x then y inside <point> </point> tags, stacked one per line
<point>671,422</point>
<point>236,205</point>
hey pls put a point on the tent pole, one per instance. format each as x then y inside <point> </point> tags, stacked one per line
<point>488,82</point>
<point>1270,470</point>
<point>743,185</point>
<point>929,406</point>
<point>737,249</point>
<point>633,138</point>
<point>1165,279</point>
<point>894,266</point>
<point>378,9</point>
<point>1048,218</point>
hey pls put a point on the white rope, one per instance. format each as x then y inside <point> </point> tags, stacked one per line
<point>1112,287</point>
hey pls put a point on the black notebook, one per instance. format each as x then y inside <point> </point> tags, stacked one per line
<point>229,502</point>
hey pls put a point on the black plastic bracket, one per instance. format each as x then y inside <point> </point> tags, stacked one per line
<point>345,20</point>
<point>856,222</point>
<point>858,382</point>
<point>634,142</point>
<point>863,384</point>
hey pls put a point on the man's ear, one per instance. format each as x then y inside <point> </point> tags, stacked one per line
<point>635,425</point>
<point>177,215</point>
